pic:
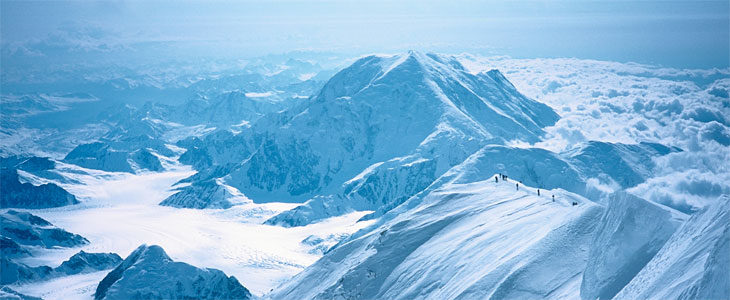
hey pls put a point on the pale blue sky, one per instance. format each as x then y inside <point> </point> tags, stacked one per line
<point>671,33</point>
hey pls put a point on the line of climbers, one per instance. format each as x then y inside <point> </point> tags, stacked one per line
<point>517,186</point>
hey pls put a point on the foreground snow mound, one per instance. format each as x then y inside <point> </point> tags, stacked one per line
<point>148,273</point>
<point>631,232</point>
<point>479,240</point>
<point>694,262</point>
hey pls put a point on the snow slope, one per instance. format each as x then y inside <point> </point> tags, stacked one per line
<point>478,240</point>
<point>693,264</point>
<point>628,236</point>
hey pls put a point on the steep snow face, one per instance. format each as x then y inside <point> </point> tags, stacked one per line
<point>172,280</point>
<point>478,240</point>
<point>630,233</point>
<point>694,262</point>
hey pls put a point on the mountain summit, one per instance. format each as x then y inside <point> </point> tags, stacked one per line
<point>372,125</point>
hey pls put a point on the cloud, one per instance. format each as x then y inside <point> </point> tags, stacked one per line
<point>631,103</point>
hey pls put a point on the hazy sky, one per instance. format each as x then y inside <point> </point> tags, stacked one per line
<point>671,33</point>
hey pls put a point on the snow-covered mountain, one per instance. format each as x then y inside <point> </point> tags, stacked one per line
<point>17,194</point>
<point>477,240</point>
<point>497,239</point>
<point>411,145</point>
<point>80,263</point>
<point>30,230</point>
<point>374,124</point>
<point>172,280</point>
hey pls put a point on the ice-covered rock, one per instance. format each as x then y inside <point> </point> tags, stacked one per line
<point>11,249</point>
<point>35,164</point>
<point>102,156</point>
<point>693,264</point>
<point>26,229</point>
<point>630,233</point>
<point>7,293</point>
<point>82,262</point>
<point>200,194</point>
<point>149,273</point>
<point>99,156</point>
<point>85,262</point>
<point>12,272</point>
<point>17,194</point>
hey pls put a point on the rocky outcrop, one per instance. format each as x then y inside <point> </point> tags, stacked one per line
<point>134,278</point>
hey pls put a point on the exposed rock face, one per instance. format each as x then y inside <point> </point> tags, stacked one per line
<point>85,262</point>
<point>82,262</point>
<point>26,229</point>
<point>12,272</point>
<point>11,249</point>
<point>200,194</point>
<point>102,156</point>
<point>7,293</point>
<point>17,194</point>
<point>148,273</point>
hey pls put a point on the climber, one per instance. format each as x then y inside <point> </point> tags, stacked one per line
<point>553,198</point>
<point>575,203</point>
<point>496,180</point>
<point>538,192</point>
<point>517,186</point>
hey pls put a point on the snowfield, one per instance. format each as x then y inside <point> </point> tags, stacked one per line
<point>480,240</point>
<point>124,211</point>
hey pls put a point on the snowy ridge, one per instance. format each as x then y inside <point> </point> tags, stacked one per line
<point>454,245</point>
